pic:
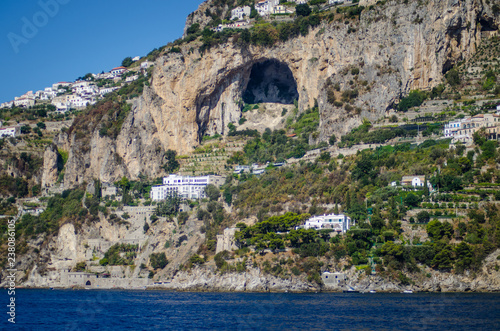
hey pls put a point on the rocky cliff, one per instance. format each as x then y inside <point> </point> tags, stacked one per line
<point>393,48</point>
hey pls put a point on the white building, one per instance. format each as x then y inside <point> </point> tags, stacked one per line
<point>241,168</point>
<point>333,278</point>
<point>335,2</point>
<point>339,223</point>
<point>146,64</point>
<point>265,7</point>
<point>10,131</point>
<point>55,86</point>
<point>187,187</point>
<point>131,78</point>
<point>452,128</point>
<point>240,12</point>
<point>105,75</point>
<point>118,71</point>
<point>136,58</point>
<point>280,9</point>
<point>416,182</point>
<point>7,104</point>
<point>83,88</point>
<point>24,102</point>
<point>106,90</point>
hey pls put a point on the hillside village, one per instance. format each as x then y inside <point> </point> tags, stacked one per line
<point>405,201</point>
<point>65,96</point>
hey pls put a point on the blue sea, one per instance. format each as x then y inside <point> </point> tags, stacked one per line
<point>161,310</point>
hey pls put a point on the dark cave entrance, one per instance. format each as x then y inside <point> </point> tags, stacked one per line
<point>271,81</point>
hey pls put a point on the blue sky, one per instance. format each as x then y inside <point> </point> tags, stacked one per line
<point>70,38</point>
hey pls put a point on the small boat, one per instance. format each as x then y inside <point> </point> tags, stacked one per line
<point>351,290</point>
<point>373,291</point>
<point>52,289</point>
<point>407,291</point>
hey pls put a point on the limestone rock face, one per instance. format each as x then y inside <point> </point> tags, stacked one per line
<point>51,164</point>
<point>391,50</point>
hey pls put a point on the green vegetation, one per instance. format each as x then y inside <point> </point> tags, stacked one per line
<point>169,206</point>
<point>171,165</point>
<point>120,254</point>
<point>363,134</point>
<point>276,146</point>
<point>158,260</point>
<point>414,99</point>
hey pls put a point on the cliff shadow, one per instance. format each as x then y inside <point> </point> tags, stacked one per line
<point>271,81</point>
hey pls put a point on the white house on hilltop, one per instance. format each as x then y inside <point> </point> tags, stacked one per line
<point>10,131</point>
<point>240,12</point>
<point>187,187</point>
<point>339,223</point>
<point>7,104</point>
<point>118,71</point>
<point>266,7</point>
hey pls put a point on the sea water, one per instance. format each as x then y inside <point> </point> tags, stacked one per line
<point>161,310</point>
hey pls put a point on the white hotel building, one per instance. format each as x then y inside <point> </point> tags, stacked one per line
<point>339,223</point>
<point>188,187</point>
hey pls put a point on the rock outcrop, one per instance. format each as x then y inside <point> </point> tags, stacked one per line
<point>51,166</point>
<point>392,49</point>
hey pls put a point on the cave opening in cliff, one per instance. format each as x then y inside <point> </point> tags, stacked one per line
<point>271,81</point>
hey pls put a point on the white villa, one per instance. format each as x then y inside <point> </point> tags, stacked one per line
<point>55,86</point>
<point>187,187</point>
<point>84,88</point>
<point>106,90</point>
<point>118,71</point>
<point>339,223</point>
<point>131,78</point>
<point>266,7</point>
<point>10,131</point>
<point>452,128</point>
<point>7,104</point>
<point>240,13</point>
<point>463,130</point>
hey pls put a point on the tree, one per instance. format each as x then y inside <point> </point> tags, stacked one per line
<point>438,230</point>
<point>158,260</point>
<point>414,99</point>
<point>442,260</point>
<point>193,28</point>
<point>324,156</point>
<point>377,222</point>
<point>412,200</point>
<point>453,77</point>
<point>464,255</point>
<point>489,149</point>
<point>303,10</point>
<point>332,140</point>
<point>127,62</point>
<point>172,164</point>
<point>169,206</point>
<point>25,129</point>
<point>423,217</point>
<point>212,192</point>
<point>196,259</point>
<point>253,12</point>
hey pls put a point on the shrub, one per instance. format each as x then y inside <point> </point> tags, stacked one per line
<point>158,260</point>
<point>414,99</point>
